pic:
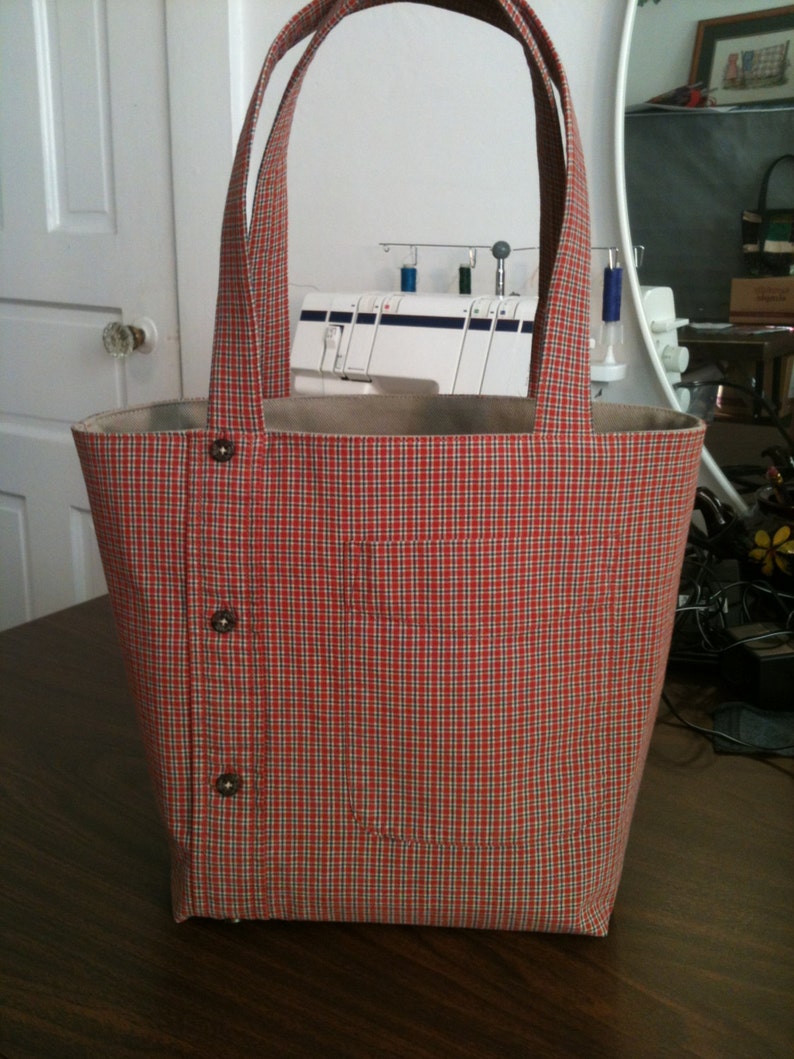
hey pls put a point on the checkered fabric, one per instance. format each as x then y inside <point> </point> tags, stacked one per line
<point>394,671</point>
<point>763,67</point>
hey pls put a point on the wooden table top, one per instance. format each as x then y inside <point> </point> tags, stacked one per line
<point>741,342</point>
<point>699,960</point>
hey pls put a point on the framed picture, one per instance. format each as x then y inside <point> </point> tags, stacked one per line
<point>746,60</point>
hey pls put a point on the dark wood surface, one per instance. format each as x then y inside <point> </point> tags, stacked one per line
<point>699,960</point>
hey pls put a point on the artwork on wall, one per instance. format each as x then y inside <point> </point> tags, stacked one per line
<point>746,60</point>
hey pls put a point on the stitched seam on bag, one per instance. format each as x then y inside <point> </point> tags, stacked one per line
<point>494,608</point>
<point>368,774</point>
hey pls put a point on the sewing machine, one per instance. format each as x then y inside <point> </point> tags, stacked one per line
<point>413,343</point>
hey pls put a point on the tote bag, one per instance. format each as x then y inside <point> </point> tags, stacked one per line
<point>395,658</point>
<point>768,231</point>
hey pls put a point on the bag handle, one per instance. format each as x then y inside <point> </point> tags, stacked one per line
<point>765,182</point>
<point>251,349</point>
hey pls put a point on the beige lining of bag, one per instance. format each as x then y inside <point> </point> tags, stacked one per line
<point>388,416</point>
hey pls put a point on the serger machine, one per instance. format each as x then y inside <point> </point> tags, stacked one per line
<point>413,343</point>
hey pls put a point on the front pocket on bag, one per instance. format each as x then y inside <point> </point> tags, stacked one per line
<point>468,718</point>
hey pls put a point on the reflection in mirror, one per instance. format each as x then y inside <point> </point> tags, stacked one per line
<point>689,174</point>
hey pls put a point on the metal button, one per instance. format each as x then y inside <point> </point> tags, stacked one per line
<point>228,784</point>
<point>222,450</point>
<point>223,621</point>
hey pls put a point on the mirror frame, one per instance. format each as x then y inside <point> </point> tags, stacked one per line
<point>710,476</point>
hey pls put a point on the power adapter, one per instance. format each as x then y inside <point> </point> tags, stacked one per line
<point>760,663</point>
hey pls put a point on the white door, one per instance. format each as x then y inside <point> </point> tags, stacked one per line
<point>87,238</point>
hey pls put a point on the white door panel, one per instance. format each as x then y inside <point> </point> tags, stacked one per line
<point>59,344</point>
<point>16,602</point>
<point>87,238</point>
<point>44,570</point>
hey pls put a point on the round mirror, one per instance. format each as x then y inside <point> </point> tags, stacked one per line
<point>684,176</point>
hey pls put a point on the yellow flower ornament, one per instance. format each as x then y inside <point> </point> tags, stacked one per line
<point>774,551</point>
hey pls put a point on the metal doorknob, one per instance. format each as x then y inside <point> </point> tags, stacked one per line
<point>120,340</point>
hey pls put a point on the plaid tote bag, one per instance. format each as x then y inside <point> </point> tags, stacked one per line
<point>385,667</point>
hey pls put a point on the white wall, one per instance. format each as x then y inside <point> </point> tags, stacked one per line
<point>664,41</point>
<point>414,125</point>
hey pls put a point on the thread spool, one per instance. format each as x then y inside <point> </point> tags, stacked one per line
<point>610,304</point>
<point>408,279</point>
<point>464,279</point>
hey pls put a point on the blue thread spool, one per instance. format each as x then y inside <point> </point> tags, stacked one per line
<point>610,305</point>
<point>408,279</point>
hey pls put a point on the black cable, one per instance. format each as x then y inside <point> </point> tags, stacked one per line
<point>712,734</point>
<point>768,635</point>
<point>738,474</point>
<point>768,407</point>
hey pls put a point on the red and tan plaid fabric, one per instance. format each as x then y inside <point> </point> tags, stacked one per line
<point>404,677</point>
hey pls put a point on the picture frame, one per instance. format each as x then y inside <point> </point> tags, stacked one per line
<point>746,60</point>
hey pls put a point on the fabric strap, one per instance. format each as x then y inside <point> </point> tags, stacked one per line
<point>767,177</point>
<point>251,348</point>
